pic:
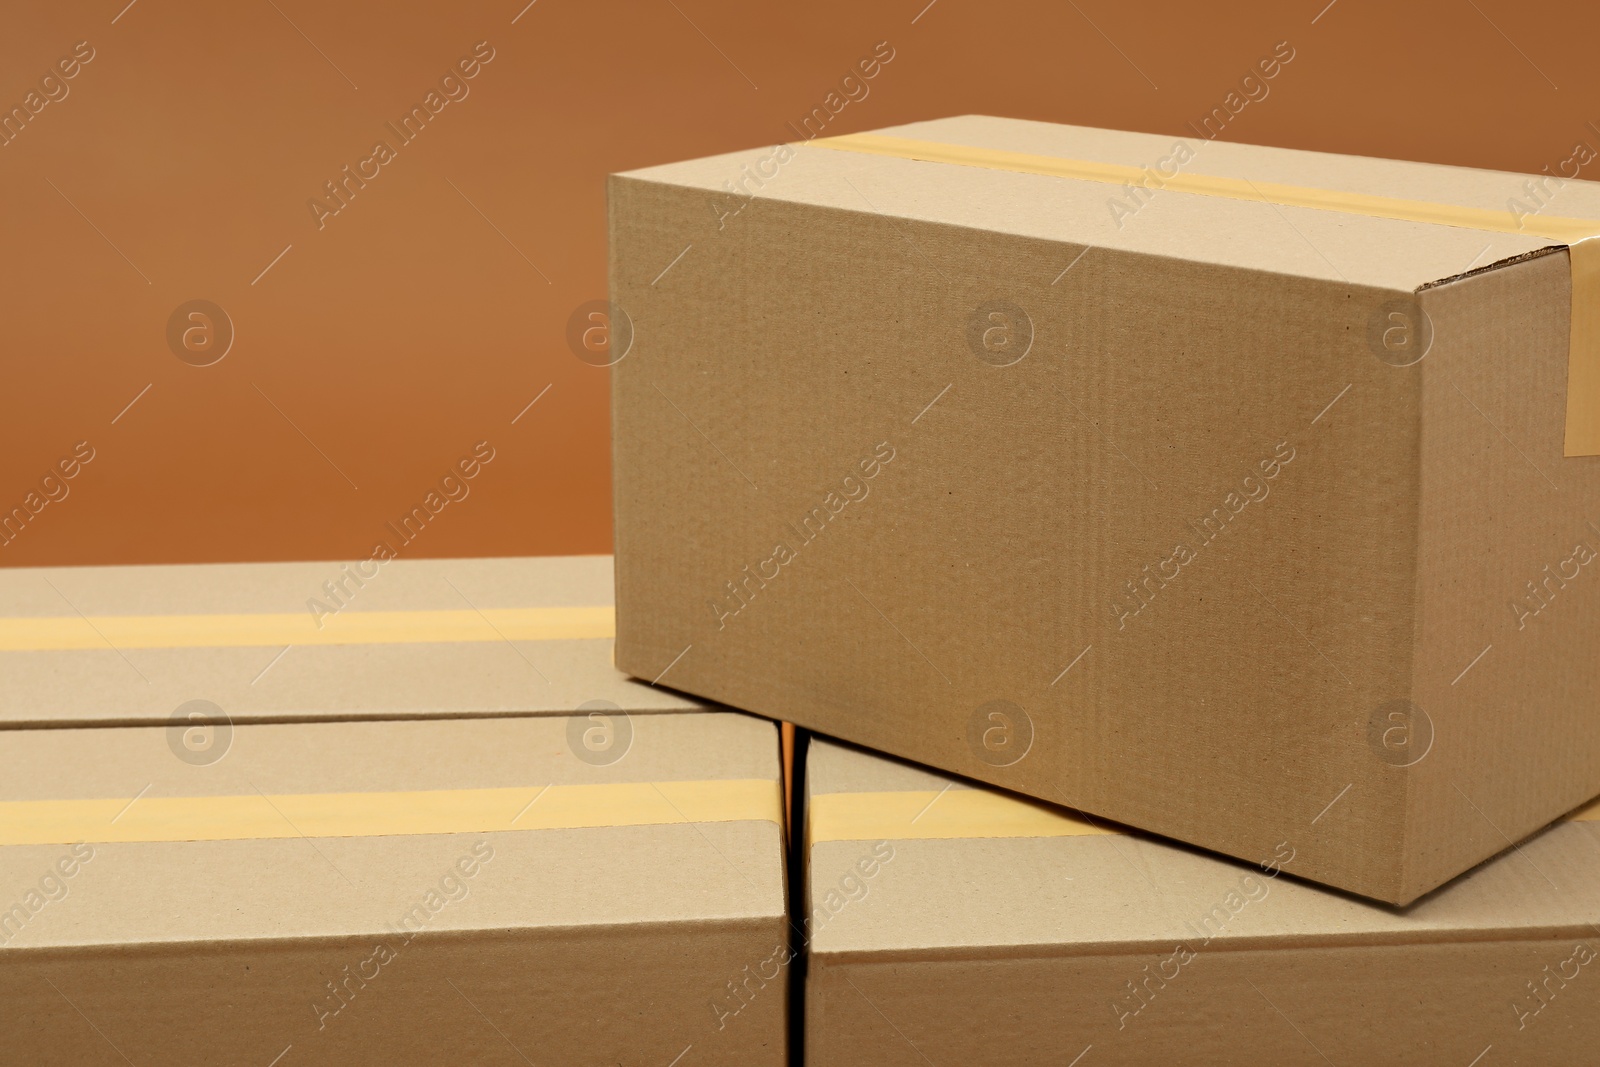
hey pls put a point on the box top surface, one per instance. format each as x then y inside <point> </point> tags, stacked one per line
<point>304,830</point>
<point>1319,244</point>
<point>1095,887</point>
<point>313,640</point>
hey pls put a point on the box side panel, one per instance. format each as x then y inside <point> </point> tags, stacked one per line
<point>603,995</point>
<point>1507,676</point>
<point>875,477</point>
<point>1534,1002</point>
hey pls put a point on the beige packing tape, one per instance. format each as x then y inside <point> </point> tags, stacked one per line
<point>436,811</point>
<point>74,632</point>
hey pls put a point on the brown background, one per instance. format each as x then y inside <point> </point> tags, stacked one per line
<point>381,347</point>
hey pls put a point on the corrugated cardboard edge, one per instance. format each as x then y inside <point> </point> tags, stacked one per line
<point>486,934</point>
<point>1498,264</point>
<point>1233,943</point>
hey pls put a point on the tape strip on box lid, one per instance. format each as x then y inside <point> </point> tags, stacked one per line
<point>258,816</point>
<point>80,632</point>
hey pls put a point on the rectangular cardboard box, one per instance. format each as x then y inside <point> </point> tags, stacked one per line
<point>950,923</point>
<point>1192,502</point>
<point>474,891</point>
<point>264,642</point>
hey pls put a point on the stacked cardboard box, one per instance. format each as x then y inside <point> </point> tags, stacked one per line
<point>1243,495</point>
<point>950,923</point>
<point>437,861</point>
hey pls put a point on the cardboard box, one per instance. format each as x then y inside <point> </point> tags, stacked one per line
<point>215,644</point>
<point>1182,502</point>
<point>474,891</point>
<point>950,923</point>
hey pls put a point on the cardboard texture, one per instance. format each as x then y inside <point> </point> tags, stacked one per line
<point>931,942</point>
<point>357,944</point>
<point>1188,511</point>
<point>256,642</point>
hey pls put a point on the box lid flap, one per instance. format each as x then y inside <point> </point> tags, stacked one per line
<point>682,827</point>
<point>1083,890</point>
<point>1326,245</point>
<point>313,641</point>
